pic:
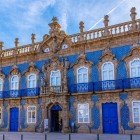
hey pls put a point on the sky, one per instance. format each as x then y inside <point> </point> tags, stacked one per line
<point>21,18</point>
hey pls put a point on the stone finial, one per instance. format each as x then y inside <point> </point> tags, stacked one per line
<point>33,38</point>
<point>54,19</point>
<point>133,13</point>
<point>54,26</point>
<point>106,20</point>
<point>16,42</point>
<point>1,45</point>
<point>81,26</point>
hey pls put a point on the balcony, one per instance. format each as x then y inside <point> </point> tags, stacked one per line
<point>81,87</point>
<point>132,83</point>
<point>109,85</point>
<point>56,89</point>
<point>29,92</point>
<point>11,94</point>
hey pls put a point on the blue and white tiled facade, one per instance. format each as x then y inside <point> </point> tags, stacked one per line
<point>62,81</point>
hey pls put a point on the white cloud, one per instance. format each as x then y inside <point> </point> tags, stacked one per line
<point>63,12</point>
<point>33,13</point>
<point>20,18</point>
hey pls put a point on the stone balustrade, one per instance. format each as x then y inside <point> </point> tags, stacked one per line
<point>114,30</point>
<point>107,31</point>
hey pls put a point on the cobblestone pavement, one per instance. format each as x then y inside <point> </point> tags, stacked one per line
<point>58,136</point>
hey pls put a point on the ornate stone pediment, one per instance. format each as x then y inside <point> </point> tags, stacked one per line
<point>134,53</point>
<point>14,70</point>
<point>81,61</point>
<point>54,64</point>
<point>107,56</point>
<point>57,37</point>
<point>31,69</point>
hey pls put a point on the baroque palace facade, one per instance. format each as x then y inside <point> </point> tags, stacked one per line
<point>86,82</point>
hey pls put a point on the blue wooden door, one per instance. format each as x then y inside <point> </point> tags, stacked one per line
<point>110,118</point>
<point>14,119</point>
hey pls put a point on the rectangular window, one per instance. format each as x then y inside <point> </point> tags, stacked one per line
<point>83,113</point>
<point>31,114</point>
<point>0,115</point>
<point>136,111</point>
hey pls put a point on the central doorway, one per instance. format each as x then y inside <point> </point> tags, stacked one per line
<point>56,120</point>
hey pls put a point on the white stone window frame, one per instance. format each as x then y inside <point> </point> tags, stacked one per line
<point>102,71</point>
<point>29,80</point>
<point>133,107</point>
<point>13,85</point>
<point>82,75</point>
<point>55,77</point>
<point>78,110</point>
<point>130,67</point>
<point>31,121</point>
<point>1,112</point>
<point>1,84</point>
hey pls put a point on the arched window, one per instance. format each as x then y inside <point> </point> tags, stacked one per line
<point>1,84</point>
<point>55,78</point>
<point>107,71</point>
<point>135,68</point>
<point>14,82</point>
<point>31,81</point>
<point>82,75</point>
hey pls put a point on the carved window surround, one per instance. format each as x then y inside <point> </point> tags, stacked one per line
<point>31,70</point>
<point>82,62</point>
<point>107,56</point>
<point>134,54</point>
<point>54,65</point>
<point>13,72</point>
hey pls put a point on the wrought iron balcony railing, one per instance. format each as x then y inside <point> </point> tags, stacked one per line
<point>56,89</point>
<point>30,92</point>
<point>20,93</point>
<point>131,83</point>
<point>109,85</point>
<point>81,87</point>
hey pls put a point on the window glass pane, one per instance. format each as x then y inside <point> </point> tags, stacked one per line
<point>14,82</point>
<point>108,71</point>
<point>32,81</point>
<point>80,79</point>
<point>55,78</point>
<point>83,113</point>
<point>82,70</point>
<point>135,68</point>
<point>58,81</point>
<point>31,114</point>
<point>136,112</point>
<point>82,75</point>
